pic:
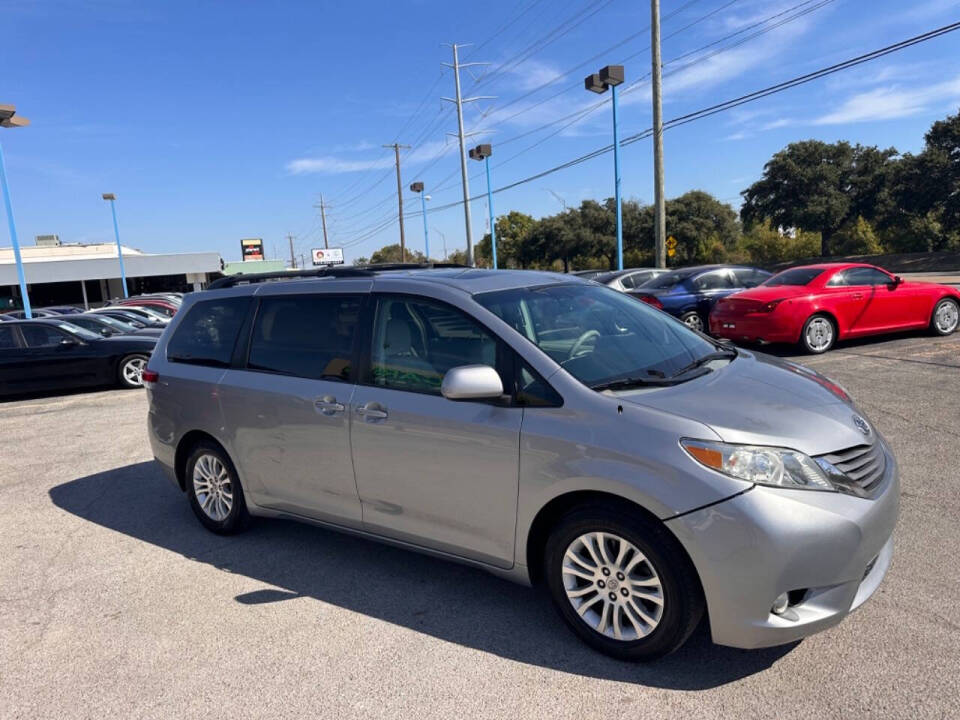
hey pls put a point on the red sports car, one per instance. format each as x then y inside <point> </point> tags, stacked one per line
<point>816,305</point>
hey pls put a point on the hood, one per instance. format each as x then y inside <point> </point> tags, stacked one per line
<point>761,400</point>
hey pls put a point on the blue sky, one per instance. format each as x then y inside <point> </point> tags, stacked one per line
<point>214,121</point>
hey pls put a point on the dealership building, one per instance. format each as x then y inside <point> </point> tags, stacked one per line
<point>89,274</point>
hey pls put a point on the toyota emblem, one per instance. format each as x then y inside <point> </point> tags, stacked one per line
<point>861,424</point>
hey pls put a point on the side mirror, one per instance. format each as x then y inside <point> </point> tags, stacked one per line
<point>471,382</point>
<point>897,280</point>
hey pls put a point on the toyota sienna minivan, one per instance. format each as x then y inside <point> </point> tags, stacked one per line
<point>539,426</point>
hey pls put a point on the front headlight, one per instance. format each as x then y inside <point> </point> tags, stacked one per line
<point>774,466</point>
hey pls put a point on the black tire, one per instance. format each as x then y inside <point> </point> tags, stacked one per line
<point>129,369</point>
<point>813,348</point>
<point>952,327</point>
<point>237,519</point>
<point>693,319</point>
<point>682,595</point>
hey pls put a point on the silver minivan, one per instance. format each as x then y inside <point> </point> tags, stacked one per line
<point>544,428</point>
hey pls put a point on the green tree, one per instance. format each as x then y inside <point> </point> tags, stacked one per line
<point>819,186</point>
<point>857,238</point>
<point>513,230</point>
<point>764,245</point>
<point>391,254</point>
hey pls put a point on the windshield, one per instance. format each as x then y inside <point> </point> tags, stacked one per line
<point>598,334</point>
<point>797,276</point>
<point>114,323</point>
<point>78,331</point>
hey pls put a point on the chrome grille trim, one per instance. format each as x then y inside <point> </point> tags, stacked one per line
<point>863,464</point>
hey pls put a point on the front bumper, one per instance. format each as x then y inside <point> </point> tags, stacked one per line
<point>767,541</point>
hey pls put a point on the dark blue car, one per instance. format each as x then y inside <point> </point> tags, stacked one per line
<point>689,293</point>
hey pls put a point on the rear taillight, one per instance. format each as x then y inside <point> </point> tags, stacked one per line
<point>650,300</point>
<point>149,378</point>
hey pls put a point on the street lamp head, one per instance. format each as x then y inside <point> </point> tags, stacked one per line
<point>481,152</point>
<point>594,84</point>
<point>611,75</point>
<point>427,198</point>
<point>109,196</point>
<point>8,119</point>
<point>416,187</point>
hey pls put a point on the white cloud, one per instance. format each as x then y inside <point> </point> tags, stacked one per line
<point>886,103</point>
<point>336,165</point>
<point>774,124</point>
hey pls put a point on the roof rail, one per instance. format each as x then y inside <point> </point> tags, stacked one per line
<point>326,271</point>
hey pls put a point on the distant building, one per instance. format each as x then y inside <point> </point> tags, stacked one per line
<point>254,266</point>
<point>81,274</point>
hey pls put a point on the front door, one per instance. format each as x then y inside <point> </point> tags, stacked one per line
<point>434,472</point>
<point>286,411</point>
<point>58,359</point>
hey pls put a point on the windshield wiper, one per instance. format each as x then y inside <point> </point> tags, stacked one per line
<point>629,382</point>
<point>709,357</point>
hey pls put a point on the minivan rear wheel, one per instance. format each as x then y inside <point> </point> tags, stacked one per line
<point>214,491</point>
<point>624,585</point>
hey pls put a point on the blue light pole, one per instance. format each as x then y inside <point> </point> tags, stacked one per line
<point>7,120</point>
<point>111,198</point>
<point>483,152</point>
<point>417,187</point>
<point>609,77</point>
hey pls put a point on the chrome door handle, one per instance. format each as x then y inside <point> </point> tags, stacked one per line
<point>372,411</point>
<point>328,405</point>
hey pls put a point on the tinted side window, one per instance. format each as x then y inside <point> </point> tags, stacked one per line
<point>533,390</point>
<point>750,278</point>
<point>36,336</point>
<point>415,342</point>
<point>7,338</point>
<point>865,276</point>
<point>633,280</point>
<point>310,336</point>
<point>717,280</point>
<point>207,334</point>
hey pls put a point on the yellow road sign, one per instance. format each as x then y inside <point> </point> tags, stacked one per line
<point>671,252</point>
<point>671,242</point>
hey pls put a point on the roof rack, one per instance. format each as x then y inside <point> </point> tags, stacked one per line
<point>326,271</point>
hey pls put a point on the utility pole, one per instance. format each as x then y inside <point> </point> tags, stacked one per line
<point>293,260</point>
<point>396,152</point>
<point>459,101</point>
<point>660,223</point>
<point>323,219</point>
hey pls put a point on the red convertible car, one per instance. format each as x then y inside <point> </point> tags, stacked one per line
<point>816,305</point>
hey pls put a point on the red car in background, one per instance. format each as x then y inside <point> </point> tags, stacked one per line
<point>816,305</point>
<point>166,307</point>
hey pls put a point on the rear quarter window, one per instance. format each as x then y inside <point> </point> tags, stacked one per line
<point>208,333</point>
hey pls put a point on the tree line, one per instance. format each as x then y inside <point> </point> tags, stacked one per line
<point>813,199</point>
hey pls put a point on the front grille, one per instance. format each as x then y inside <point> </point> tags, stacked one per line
<point>863,464</point>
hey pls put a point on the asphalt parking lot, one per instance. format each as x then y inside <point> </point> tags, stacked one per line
<point>115,602</point>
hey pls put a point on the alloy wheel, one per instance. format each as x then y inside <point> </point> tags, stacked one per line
<point>612,586</point>
<point>819,334</point>
<point>213,487</point>
<point>694,321</point>
<point>133,370</point>
<point>947,317</point>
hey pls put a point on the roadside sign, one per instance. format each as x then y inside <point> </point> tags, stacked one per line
<point>671,251</point>
<point>671,243</point>
<point>327,256</point>
<point>251,249</point>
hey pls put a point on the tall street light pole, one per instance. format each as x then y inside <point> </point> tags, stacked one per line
<point>396,152</point>
<point>483,152</point>
<point>7,120</point>
<point>660,224</point>
<point>111,198</point>
<point>459,101</point>
<point>417,187</point>
<point>609,77</point>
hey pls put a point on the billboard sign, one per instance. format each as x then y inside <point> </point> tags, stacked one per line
<point>327,256</point>
<point>251,249</point>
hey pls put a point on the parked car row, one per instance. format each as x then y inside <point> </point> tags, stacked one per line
<point>813,306</point>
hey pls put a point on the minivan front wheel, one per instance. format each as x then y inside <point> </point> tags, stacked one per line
<point>214,491</point>
<point>623,585</point>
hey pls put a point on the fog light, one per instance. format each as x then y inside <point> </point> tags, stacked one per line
<point>780,604</point>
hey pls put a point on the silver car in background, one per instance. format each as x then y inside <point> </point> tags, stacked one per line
<point>544,428</point>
